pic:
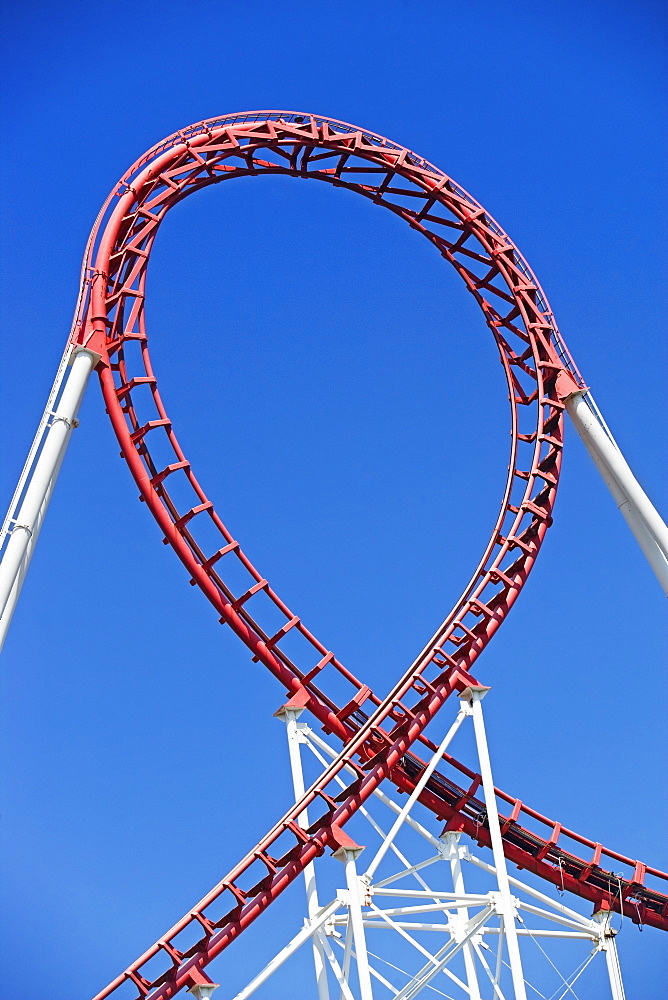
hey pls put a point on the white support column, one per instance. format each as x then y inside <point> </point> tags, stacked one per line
<point>10,606</point>
<point>461,918</point>
<point>353,884</point>
<point>290,716</point>
<point>644,520</point>
<point>609,945</point>
<point>28,521</point>
<point>473,698</point>
<point>614,970</point>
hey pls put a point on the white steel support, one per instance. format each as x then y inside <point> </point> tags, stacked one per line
<point>26,524</point>
<point>461,917</point>
<point>475,933</point>
<point>354,886</point>
<point>611,957</point>
<point>310,929</point>
<point>473,698</point>
<point>290,716</point>
<point>10,606</point>
<point>439,961</point>
<point>415,794</point>
<point>644,520</point>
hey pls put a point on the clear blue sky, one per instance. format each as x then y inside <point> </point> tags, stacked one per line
<point>341,399</point>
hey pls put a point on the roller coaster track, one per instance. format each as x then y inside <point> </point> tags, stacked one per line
<point>381,738</point>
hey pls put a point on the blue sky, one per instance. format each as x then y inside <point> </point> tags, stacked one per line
<point>341,398</point>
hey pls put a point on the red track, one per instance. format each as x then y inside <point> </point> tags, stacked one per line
<point>377,735</point>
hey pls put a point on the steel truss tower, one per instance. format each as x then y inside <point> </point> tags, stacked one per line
<point>483,930</point>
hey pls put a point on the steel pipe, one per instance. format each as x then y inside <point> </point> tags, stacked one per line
<point>26,527</point>
<point>647,525</point>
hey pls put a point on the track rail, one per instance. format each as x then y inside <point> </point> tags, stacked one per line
<point>377,734</point>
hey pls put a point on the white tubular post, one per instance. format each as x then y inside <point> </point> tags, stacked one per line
<point>10,606</point>
<point>614,970</point>
<point>24,531</point>
<point>644,520</point>
<point>357,922</point>
<point>609,945</point>
<point>290,715</point>
<point>461,917</point>
<point>473,697</point>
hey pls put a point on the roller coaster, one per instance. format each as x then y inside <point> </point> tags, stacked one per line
<point>381,736</point>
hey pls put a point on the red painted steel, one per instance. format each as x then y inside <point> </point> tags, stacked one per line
<point>377,736</point>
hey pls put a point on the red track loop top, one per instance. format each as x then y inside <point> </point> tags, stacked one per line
<point>377,736</point>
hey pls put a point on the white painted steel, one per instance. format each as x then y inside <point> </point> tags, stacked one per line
<point>580,927</point>
<point>494,979</point>
<point>611,956</point>
<point>10,606</point>
<point>309,929</point>
<point>496,911</point>
<point>339,973</point>
<point>411,870</point>
<point>347,949</point>
<point>414,925</point>
<point>557,918</point>
<point>536,893</point>
<point>417,791</point>
<point>507,903</point>
<point>541,932</point>
<point>353,883</point>
<point>614,971</point>
<point>447,898</point>
<point>644,520</point>
<point>443,957</point>
<point>291,715</point>
<point>34,448</point>
<point>28,520</point>
<point>647,543</point>
<point>461,917</point>
<point>402,928</point>
<point>499,955</point>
